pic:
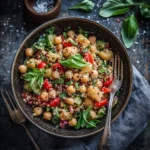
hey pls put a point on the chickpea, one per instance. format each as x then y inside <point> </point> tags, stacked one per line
<point>85,78</point>
<point>73,122</point>
<point>76,77</point>
<point>47,115</point>
<point>94,93</point>
<point>106,54</point>
<point>93,48</point>
<point>70,51</point>
<point>88,102</point>
<point>59,47</point>
<point>31,63</point>
<point>22,68</point>
<point>82,89</point>
<point>57,40</point>
<point>71,89</point>
<point>29,52</point>
<point>61,104</point>
<point>87,69</point>
<point>52,94</point>
<point>55,75</point>
<point>69,101</point>
<point>69,74</point>
<point>99,83</point>
<point>71,34</point>
<point>94,74</point>
<point>92,39</point>
<point>37,111</point>
<point>93,114</point>
<point>44,96</point>
<point>48,72</point>
<point>65,115</point>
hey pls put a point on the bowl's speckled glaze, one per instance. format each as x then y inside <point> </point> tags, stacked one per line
<point>102,33</point>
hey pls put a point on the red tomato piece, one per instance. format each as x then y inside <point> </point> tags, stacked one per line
<point>41,65</point>
<point>47,85</point>
<point>105,89</point>
<point>65,44</point>
<point>58,66</point>
<point>108,81</point>
<point>55,102</point>
<point>101,103</point>
<point>24,94</point>
<point>88,57</point>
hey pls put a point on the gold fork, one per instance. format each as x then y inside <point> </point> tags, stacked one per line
<point>117,65</point>
<point>16,115</point>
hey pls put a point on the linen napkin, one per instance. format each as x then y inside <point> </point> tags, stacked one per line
<point>124,130</point>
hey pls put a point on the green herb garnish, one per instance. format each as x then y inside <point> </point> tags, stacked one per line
<point>63,95</point>
<point>86,5</point>
<point>51,30</point>
<point>129,30</point>
<point>35,78</point>
<point>59,81</point>
<point>75,61</point>
<point>85,33</point>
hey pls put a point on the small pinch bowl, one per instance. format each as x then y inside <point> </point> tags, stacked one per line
<point>100,32</point>
<point>39,18</point>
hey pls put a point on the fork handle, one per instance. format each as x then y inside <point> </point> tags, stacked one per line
<point>31,138</point>
<point>104,142</point>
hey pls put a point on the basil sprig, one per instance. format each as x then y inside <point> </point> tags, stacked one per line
<point>35,78</point>
<point>129,30</point>
<point>83,120</point>
<point>117,7</point>
<point>145,10</point>
<point>75,61</point>
<point>85,5</point>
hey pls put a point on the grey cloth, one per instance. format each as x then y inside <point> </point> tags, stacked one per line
<point>124,130</point>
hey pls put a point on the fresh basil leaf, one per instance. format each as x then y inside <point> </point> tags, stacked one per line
<point>145,10</point>
<point>63,95</point>
<point>69,82</point>
<point>65,34</point>
<point>116,7</point>
<point>59,81</point>
<point>86,5</point>
<point>75,61</point>
<point>129,30</point>
<point>51,30</point>
<point>55,120</point>
<point>92,123</point>
<point>85,33</point>
<point>35,79</point>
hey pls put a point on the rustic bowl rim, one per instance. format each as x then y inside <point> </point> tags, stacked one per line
<point>81,19</point>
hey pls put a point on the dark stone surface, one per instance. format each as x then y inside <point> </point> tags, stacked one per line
<point>14,28</point>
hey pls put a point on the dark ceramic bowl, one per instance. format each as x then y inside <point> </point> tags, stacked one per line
<point>102,33</point>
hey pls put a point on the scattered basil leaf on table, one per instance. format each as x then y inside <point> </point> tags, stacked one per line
<point>116,7</point>
<point>35,79</point>
<point>129,30</point>
<point>86,5</point>
<point>145,10</point>
<point>75,61</point>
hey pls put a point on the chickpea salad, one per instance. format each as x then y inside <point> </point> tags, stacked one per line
<point>66,78</point>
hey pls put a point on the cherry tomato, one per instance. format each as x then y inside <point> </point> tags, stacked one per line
<point>65,44</point>
<point>101,103</point>
<point>47,85</point>
<point>88,57</point>
<point>108,81</point>
<point>55,102</point>
<point>58,66</point>
<point>41,65</point>
<point>105,89</point>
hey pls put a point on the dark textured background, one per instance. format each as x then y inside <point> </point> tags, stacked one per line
<point>15,26</point>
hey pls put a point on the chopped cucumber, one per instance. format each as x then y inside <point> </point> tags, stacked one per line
<point>50,39</point>
<point>78,100</point>
<point>100,45</point>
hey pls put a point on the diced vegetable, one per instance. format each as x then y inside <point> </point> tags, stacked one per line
<point>100,45</point>
<point>50,39</point>
<point>77,100</point>
<point>101,103</point>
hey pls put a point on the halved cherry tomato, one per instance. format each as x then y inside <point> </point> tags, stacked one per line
<point>58,66</point>
<point>105,89</point>
<point>108,81</point>
<point>47,84</point>
<point>65,44</point>
<point>41,65</point>
<point>55,102</point>
<point>88,57</point>
<point>101,103</point>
